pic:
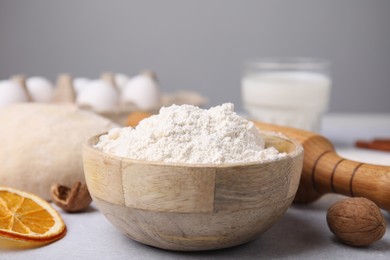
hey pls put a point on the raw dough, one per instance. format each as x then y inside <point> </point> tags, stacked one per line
<point>41,144</point>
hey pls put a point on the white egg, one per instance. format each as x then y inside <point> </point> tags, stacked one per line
<point>11,92</point>
<point>142,91</point>
<point>98,95</point>
<point>121,80</point>
<point>40,89</point>
<point>79,84</point>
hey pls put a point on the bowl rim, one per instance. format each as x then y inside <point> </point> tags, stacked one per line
<point>91,141</point>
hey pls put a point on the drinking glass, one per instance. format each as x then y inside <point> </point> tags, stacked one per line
<point>287,91</point>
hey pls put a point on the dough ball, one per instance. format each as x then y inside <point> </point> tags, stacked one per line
<point>41,144</point>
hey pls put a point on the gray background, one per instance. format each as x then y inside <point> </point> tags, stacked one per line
<point>200,45</point>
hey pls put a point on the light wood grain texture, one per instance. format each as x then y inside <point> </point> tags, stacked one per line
<point>169,188</point>
<point>324,171</point>
<point>104,171</point>
<point>192,232</point>
<point>193,206</point>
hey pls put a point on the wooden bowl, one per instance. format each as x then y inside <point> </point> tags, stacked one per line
<point>191,207</point>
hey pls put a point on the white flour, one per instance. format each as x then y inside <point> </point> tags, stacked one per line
<point>188,134</point>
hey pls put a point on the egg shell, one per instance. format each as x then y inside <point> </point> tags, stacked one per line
<point>121,80</point>
<point>40,89</point>
<point>11,92</point>
<point>80,83</point>
<point>142,91</point>
<point>98,95</point>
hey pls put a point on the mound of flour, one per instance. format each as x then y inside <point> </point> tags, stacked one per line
<point>188,134</point>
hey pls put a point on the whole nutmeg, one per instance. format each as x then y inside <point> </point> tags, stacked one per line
<point>356,221</point>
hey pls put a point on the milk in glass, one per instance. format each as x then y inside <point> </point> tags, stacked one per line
<point>292,98</point>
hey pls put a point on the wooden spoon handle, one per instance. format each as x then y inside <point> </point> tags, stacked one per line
<point>332,173</point>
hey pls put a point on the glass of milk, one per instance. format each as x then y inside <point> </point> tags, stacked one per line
<point>287,91</point>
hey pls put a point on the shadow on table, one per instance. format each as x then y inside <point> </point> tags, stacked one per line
<point>90,209</point>
<point>286,238</point>
<point>321,204</point>
<point>301,232</point>
<point>386,214</point>
<point>382,245</point>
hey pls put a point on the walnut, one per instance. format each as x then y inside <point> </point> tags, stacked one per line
<point>356,221</point>
<point>73,199</point>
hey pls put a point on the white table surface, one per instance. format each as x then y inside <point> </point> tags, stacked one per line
<point>302,233</point>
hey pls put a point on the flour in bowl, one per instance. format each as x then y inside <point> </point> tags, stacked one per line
<point>189,134</point>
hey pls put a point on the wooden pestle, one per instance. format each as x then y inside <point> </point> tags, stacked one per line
<point>326,172</point>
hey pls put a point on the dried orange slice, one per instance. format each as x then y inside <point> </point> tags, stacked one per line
<point>27,217</point>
